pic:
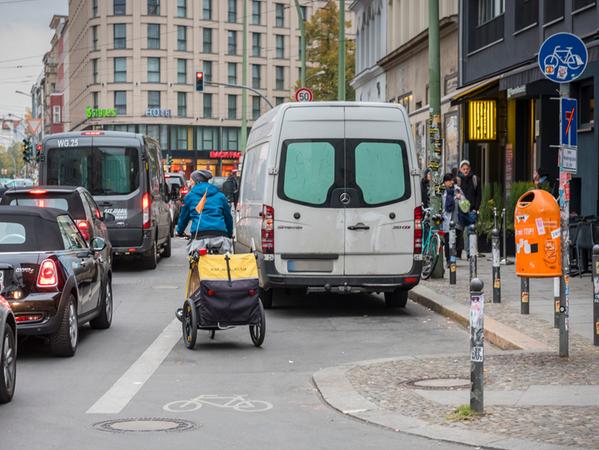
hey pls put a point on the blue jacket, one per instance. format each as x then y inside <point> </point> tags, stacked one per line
<point>216,215</point>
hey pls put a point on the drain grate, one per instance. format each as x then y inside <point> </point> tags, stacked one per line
<point>145,425</point>
<point>439,384</point>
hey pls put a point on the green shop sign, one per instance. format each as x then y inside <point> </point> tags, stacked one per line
<point>98,113</point>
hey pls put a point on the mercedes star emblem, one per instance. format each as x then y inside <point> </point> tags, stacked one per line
<point>345,198</point>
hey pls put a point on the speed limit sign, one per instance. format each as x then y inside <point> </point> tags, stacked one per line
<point>304,94</point>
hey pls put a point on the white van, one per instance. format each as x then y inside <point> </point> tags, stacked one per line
<point>330,199</point>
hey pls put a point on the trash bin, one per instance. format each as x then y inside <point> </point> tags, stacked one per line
<point>537,235</point>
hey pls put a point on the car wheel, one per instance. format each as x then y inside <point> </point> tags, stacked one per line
<point>104,319</point>
<point>64,341</point>
<point>166,252</point>
<point>8,365</point>
<point>396,299</point>
<point>266,296</point>
<point>150,259</point>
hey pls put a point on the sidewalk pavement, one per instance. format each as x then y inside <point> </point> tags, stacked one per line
<point>533,398</point>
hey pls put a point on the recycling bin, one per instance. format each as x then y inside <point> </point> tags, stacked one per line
<point>537,234</point>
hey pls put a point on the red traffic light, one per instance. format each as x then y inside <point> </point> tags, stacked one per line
<point>39,147</point>
<point>199,75</point>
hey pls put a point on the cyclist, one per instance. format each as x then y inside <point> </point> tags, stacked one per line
<point>215,218</point>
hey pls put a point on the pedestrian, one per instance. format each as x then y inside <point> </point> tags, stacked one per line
<point>469,183</point>
<point>542,180</point>
<point>424,186</point>
<point>231,187</point>
<point>450,210</point>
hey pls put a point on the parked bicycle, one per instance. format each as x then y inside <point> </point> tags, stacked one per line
<point>433,240</point>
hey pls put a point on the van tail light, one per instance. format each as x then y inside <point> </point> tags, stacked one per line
<point>48,275</point>
<point>418,216</point>
<point>145,206</point>
<point>84,228</point>
<point>268,229</point>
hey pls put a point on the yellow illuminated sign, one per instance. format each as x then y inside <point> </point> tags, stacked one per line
<point>482,120</point>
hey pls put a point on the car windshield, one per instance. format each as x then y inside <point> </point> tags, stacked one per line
<point>101,170</point>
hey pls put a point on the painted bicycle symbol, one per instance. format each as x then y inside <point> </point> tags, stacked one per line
<point>236,402</point>
<point>564,57</point>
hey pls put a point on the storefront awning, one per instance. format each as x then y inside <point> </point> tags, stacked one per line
<point>465,92</point>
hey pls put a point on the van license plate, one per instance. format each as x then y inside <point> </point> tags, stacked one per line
<point>310,265</point>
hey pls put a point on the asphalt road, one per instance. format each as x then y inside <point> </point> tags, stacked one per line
<point>140,365</point>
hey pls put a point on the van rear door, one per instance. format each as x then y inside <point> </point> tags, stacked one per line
<point>309,225</point>
<point>379,222</point>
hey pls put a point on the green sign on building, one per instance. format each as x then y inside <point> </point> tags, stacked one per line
<point>98,113</point>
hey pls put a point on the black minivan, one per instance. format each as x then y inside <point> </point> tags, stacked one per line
<point>123,172</point>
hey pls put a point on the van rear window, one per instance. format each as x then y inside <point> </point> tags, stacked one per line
<point>380,171</point>
<point>101,170</point>
<point>309,171</point>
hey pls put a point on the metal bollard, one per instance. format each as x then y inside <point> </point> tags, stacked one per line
<point>524,295</point>
<point>452,253</point>
<point>504,261</point>
<point>496,266</point>
<point>473,250</point>
<point>556,302</point>
<point>595,271</point>
<point>477,354</point>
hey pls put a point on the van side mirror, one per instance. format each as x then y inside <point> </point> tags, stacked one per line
<point>98,244</point>
<point>108,217</point>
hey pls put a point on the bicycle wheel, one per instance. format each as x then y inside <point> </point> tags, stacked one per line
<point>179,406</point>
<point>430,256</point>
<point>258,332</point>
<point>252,406</point>
<point>189,325</point>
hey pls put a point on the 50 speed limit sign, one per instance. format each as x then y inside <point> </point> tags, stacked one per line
<point>304,94</point>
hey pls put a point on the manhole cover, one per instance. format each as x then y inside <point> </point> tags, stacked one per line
<point>440,383</point>
<point>144,425</point>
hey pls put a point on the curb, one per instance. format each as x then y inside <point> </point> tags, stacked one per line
<point>338,392</point>
<point>499,334</point>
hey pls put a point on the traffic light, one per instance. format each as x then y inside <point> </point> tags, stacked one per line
<point>200,81</point>
<point>38,152</point>
<point>27,150</point>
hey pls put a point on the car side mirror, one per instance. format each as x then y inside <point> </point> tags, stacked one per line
<point>108,217</point>
<point>98,244</point>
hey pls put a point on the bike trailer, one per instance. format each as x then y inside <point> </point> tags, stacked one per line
<point>228,291</point>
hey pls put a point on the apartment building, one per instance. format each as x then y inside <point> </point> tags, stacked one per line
<point>133,65</point>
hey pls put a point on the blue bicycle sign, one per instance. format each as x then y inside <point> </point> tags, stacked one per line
<point>563,57</point>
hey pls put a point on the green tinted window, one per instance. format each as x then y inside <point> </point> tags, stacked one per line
<point>380,171</point>
<point>309,171</point>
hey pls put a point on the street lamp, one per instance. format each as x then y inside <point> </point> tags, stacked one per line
<point>314,75</point>
<point>43,108</point>
<point>302,20</point>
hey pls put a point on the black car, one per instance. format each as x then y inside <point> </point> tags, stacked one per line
<point>79,203</point>
<point>53,279</point>
<point>8,352</point>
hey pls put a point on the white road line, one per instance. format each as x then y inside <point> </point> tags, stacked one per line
<point>125,388</point>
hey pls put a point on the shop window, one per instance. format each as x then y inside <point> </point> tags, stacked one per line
<point>553,10</point>
<point>179,140</point>
<point>587,104</point>
<point>528,13</point>
<point>207,138</point>
<point>230,139</point>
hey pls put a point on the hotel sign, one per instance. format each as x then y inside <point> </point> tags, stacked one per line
<point>158,112</point>
<point>99,113</point>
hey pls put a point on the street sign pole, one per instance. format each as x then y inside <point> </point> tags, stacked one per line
<point>564,202</point>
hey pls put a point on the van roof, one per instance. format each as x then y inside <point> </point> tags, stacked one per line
<point>93,133</point>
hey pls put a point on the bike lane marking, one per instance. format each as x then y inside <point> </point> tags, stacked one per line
<point>237,402</point>
<point>129,384</point>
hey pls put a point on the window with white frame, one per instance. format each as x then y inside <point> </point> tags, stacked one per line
<point>489,9</point>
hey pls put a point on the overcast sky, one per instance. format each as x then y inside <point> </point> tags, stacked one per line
<point>24,33</point>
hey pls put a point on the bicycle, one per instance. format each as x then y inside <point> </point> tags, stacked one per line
<point>565,57</point>
<point>431,245</point>
<point>236,402</point>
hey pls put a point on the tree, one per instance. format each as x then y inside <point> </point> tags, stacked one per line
<point>322,53</point>
<point>9,158</point>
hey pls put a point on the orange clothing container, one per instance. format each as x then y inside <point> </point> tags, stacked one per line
<point>537,233</point>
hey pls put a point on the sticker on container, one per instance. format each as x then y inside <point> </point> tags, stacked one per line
<point>477,354</point>
<point>540,226</point>
<point>524,297</point>
<point>497,284</point>
<point>555,233</point>
<point>522,218</point>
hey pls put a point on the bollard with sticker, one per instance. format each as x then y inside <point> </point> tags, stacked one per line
<point>556,302</point>
<point>524,295</point>
<point>473,251</point>
<point>477,352</point>
<point>496,266</point>
<point>596,294</point>
<point>452,253</point>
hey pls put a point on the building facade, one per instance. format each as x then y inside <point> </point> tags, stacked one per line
<point>500,40</point>
<point>406,69</point>
<point>370,24</point>
<point>133,66</point>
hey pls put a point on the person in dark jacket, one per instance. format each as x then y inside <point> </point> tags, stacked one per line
<point>424,186</point>
<point>470,186</point>
<point>215,219</point>
<point>231,187</point>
